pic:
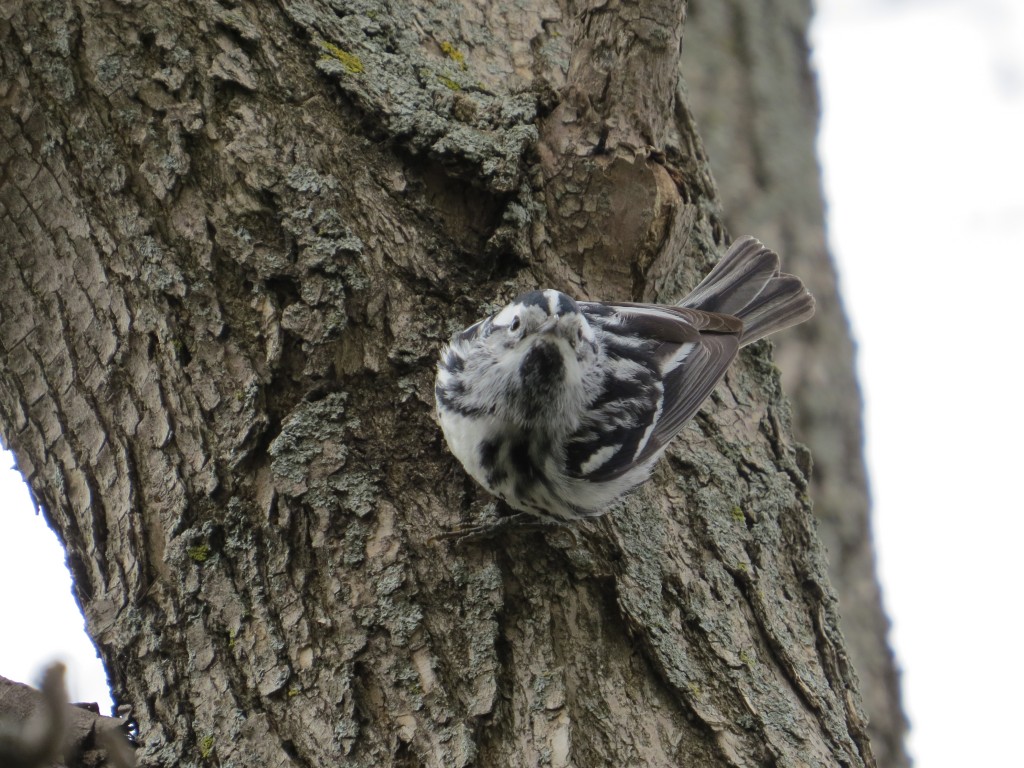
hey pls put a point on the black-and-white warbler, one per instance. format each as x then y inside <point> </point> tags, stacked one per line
<point>558,407</point>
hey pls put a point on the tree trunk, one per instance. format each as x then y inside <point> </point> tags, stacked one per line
<point>235,241</point>
<point>757,108</point>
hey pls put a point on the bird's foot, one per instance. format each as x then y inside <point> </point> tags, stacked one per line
<point>503,518</point>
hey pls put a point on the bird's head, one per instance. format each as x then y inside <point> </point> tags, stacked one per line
<point>547,336</point>
<point>542,348</point>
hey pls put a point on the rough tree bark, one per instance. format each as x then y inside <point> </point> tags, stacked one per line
<point>757,108</point>
<point>234,239</point>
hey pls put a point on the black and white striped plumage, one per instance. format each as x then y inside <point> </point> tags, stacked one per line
<point>559,407</point>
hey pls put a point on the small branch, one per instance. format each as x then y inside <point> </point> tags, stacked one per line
<point>40,729</point>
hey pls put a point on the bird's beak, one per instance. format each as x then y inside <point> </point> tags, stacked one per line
<point>549,325</point>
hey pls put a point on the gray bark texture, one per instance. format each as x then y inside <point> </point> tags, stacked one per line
<point>747,70</point>
<point>234,238</point>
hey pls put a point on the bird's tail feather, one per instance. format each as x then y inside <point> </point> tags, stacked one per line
<point>749,284</point>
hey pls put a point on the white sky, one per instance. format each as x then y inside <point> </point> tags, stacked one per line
<point>922,147</point>
<point>924,172</point>
<point>44,621</point>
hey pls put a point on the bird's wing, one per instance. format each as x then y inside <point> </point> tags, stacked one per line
<point>662,363</point>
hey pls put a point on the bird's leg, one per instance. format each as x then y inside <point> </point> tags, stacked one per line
<point>505,519</point>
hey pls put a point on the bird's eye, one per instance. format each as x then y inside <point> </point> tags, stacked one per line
<point>515,324</point>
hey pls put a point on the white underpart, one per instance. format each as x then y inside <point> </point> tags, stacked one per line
<point>444,376</point>
<point>464,436</point>
<point>567,496</point>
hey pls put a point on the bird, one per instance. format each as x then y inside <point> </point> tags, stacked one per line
<point>559,407</point>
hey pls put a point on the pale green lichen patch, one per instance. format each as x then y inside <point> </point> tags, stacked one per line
<point>349,61</point>
<point>449,83</point>
<point>200,553</point>
<point>454,54</point>
<point>206,747</point>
